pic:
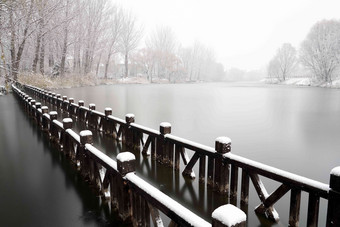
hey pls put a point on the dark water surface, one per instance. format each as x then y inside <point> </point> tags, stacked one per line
<point>37,186</point>
<point>295,129</point>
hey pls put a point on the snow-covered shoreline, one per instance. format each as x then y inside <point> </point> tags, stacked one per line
<point>303,81</point>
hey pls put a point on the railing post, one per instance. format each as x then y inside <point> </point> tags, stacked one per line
<point>127,134</point>
<point>106,126</point>
<point>67,124</point>
<point>64,104</point>
<point>333,212</point>
<point>82,159</point>
<point>31,112</point>
<point>44,110</point>
<point>80,114</point>
<point>222,146</point>
<point>162,151</point>
<point>126,163</point>
<point>228,216</point>
<point>36,114</point>
<point>89,115</point>
<point>53,131</point>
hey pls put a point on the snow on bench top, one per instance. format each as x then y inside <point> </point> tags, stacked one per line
<point>165,124</point>
<point>223,139</point>
<point>229,215</point>
<point>99,154</point>
<point>73,134</point>
<point>164,199</point>
<point>125,156</point>
<point>336,171</point>
<point>85,133</point>
<point>286,174</point>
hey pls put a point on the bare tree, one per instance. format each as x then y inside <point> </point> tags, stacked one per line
<point>113,34</point>
<point>320,51</point>
<point>283,63</point>
<point>130,37</point>
<point>164,44</point>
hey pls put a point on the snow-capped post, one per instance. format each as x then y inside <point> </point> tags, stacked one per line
<point>67,124</point>
<point>36,114</point>
<point>65,104</point>
<point>127,133</point>
<point>70,107</point>
<point>107,127</point>
<point>28,104</point>
<point>44,110</point>
<point>228,216</point>
<point>50,97</point>
<point>79,111</point>
<point>54,95</point>
<point>163,150</point>
<point>333,212</point>
<point>90,118</point>
<point>126,163</point>
<point>53,130</point>
<point>31,112</point>
<point>222,146</point>
<point>83,160</point>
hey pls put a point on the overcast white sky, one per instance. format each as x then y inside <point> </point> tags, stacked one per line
<point>244,33</point>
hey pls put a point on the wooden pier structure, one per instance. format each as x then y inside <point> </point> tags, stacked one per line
<point>138,202</point>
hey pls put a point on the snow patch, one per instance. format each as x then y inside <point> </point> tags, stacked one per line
<point>165,125</point>
<point>126,156</point>
<point>229,215</point>
<point>223,139</point>
<point>130,115</point>
<point>336,171</point>
<point>53,113</point>
<point>67,120</point>
<point>85,133</point>
<point>108,109</point>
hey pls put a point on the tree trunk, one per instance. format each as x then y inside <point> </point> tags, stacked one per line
<point>126,65</point>
<point>98,64</point>
<point>107,65</point>
<point>36,53</point>
<point>63,55</point>
<point>42,56</point>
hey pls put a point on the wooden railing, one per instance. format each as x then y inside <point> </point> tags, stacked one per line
<point>135,200</point>
<point>218,167</point>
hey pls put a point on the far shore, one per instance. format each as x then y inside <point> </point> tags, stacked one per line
<point>303,81</point>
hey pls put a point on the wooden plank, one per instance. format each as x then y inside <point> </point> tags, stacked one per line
<point>245,187</point>
<point>146,145</point>
<point>156,217</point>
<point>188,169</point>
<point>184,155</point>
<point>211,170</point>
<point>313,210</point>
<point>269,212</point>
<point>233,181</point>
<point>202,169</point>
<point>294,211</point>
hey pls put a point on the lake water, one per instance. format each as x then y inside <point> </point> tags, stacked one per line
<point>292,128</point>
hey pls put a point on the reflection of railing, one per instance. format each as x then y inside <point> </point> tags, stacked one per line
<point>133,198</point>
<point>218,167</point>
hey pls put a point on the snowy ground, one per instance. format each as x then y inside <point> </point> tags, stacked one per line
<point>303,82</point>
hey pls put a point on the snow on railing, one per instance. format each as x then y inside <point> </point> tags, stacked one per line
<point>118,183</point>
<point>216,165</point>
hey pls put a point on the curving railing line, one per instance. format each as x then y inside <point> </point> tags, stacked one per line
<point>218,167</point>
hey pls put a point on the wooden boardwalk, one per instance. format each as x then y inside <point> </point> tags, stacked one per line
<point>218,167</point>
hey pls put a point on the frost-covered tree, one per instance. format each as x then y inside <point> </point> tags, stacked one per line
<point>131,34</point>
<point>283,63</point>
<point>320,51</point>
